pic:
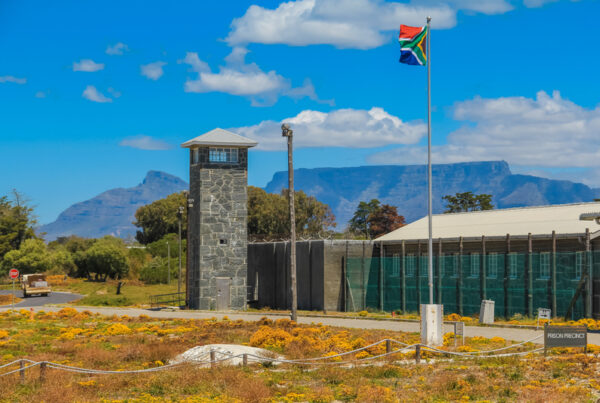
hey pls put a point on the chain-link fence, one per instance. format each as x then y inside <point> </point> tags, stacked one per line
<point>519,283</point>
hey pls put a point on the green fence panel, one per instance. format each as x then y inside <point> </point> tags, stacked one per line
<point>471,271</point>
<point>494,282</point>
<point>507,281</point>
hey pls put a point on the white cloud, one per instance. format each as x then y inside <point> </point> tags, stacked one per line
<point>359,24</point>
<point>153,71</point>
<point>355,128</point>
<point>248,80</point>
<point>143,142</point>
<point>117,49</point>
<point>194,61</point>
<point>92,94</point>
<point>548,131</point>
<point>87,65</point>
<point>113,92</point>
<point>537,3</point>
<point>12,79</point>
<point>40,94</point>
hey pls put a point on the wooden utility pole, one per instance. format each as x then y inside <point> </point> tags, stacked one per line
<point>289,133</point>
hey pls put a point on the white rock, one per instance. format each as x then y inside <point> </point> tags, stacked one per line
<point>201,354</point>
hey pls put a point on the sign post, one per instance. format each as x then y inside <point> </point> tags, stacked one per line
<point>543,313</point>
<point>13,274</point>
<point>565,336</point>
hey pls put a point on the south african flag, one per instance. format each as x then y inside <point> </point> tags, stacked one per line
<point>413,41</point>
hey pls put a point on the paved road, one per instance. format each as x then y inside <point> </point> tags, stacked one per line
<point>470,331</point>
<point>38,300</point>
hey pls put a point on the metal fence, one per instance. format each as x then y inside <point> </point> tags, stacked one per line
<point>162,300</point>
<point>519,283</point>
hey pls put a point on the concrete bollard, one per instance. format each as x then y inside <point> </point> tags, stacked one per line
<point>432,317</point>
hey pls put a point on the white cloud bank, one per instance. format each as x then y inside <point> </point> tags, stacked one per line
<point>546,131</point>
<point>12,79</point>
<point>92,94</point>
<point>248,80</point>
<point>87,65</point>
<point>358,24</point>
<point>537,3</point>
<point>153,71</point>
<point>354,128</point>
<point>143,142</point>
<point>117,49</point>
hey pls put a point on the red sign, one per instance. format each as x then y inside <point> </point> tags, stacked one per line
<point>13,273</point>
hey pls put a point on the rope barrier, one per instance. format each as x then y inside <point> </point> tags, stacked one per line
<point>504,348</point>
<point>201,359</point>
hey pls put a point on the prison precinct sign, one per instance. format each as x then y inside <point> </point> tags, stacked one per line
<point>565,336</point>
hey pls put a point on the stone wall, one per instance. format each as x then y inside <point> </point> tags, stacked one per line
<point>217,230</point>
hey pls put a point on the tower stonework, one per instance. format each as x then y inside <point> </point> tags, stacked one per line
<point>217,221</point>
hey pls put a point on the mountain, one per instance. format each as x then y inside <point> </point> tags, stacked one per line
<point>112,212</point>
<point>406,187</point>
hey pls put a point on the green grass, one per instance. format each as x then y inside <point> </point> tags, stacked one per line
<point>105,293</point>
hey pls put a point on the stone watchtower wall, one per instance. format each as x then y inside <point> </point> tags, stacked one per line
<point>217,231</point>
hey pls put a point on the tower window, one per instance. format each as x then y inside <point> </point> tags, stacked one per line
<point>226,155</point>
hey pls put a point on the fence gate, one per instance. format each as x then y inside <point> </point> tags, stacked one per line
<point>223,293</point>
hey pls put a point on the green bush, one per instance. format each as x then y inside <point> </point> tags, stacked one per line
<point>156,271</point>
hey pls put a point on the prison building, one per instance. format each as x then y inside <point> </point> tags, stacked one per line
<point>521,258</point>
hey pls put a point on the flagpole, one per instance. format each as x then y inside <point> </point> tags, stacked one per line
<point>430,244</point>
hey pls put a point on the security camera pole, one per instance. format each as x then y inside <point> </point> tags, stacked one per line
<point>289,133</point>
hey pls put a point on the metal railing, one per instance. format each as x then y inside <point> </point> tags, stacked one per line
<point>162,300</point>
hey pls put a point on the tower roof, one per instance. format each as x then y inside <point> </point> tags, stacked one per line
<point>219,137</point>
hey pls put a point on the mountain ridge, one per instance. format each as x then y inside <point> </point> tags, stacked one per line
<point>405,186</point>
<point>112,212</point>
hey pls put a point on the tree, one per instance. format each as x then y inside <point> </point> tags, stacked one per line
<point>468,201</point>
<point>160,218</point>
<point>359,223</point>
<point>373,219</point>
<point>107,257</point>
<point>16,222</point>
<point>31,257</point>
<point>268,215</point>
<point>384,220</point>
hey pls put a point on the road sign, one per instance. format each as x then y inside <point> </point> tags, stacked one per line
<point>543,313</point>
<point>13,273</point>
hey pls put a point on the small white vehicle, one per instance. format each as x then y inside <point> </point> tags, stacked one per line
<point>33,284</point>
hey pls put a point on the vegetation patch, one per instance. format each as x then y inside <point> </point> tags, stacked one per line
<point>88,340</point>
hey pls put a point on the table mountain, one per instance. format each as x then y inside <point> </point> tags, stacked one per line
<point>112,212</point>
<point>405,186</point>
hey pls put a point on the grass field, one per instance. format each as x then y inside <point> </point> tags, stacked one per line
<point>121,343</point>
<point>104,293</point>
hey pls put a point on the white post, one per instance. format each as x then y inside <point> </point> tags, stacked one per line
<point>13,296</point>
<point>432,316</point>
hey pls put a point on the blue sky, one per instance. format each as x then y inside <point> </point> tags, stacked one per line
<point>95,94</point>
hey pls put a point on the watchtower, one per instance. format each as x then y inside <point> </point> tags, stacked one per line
<point>217,221</point>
